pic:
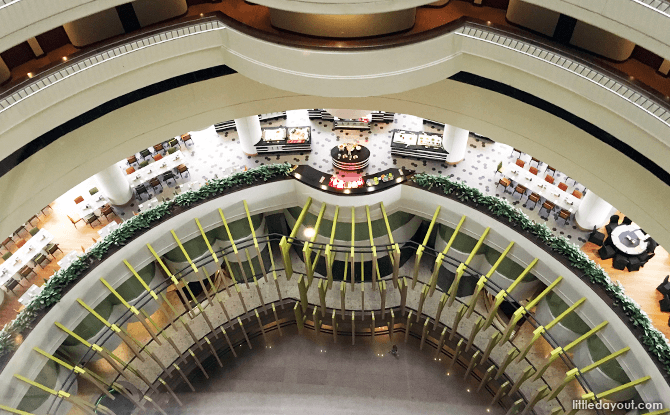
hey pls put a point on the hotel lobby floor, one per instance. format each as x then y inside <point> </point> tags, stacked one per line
<point>213,153</point>
<point>304,374</point>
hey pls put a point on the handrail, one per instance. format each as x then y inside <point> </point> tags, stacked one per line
<point>219,21</point>
<point>145,298</point>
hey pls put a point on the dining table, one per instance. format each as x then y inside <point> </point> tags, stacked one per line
<point>91,204</point>
<point>538,185</point>
<point>156,168</point>
<point>153,202</point>
<point>111,227</point>
<point>30,294</point>
<point>10,268</point>
<point>68,259</point>
<point>629,239</point>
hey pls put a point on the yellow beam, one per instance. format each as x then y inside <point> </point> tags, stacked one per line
<point>144,284</point>
<point>521,276</point>
<point>386,221</point>
<point>230,235</point>
<point>301,217</point>
<point>188,258</point>
<point>14,411</point>
<point>431,226</point>
<point>480,242</point>
<point>500,260</point>
<point>602,395</point>
<point>520,312</point>
<point>253,235</point>
<point>604,360</point>
<point>202,232</point>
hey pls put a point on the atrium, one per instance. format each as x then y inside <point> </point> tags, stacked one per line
<point>285,206</point>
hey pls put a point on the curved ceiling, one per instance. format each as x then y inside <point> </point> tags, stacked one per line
<point>417,84</point>
<point>195,106</point>
<point>23,19</point>
<point>646,23</point>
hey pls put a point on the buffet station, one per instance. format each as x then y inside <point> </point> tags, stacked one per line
<point>348,182</point>
<point>359,124</point>
<point>230,124</point>
<point>418,144</point>
<point>350,157</point>
<point>284,140</point>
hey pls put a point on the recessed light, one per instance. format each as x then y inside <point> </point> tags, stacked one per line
<point>30,74</point>
<point>64,58</point>
<point>309,232</point>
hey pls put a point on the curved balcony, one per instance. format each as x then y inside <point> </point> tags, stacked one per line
<point>644,22</point>
<point>628,121</point>
<point>614,332</point>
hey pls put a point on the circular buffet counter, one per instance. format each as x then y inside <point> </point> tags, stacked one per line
<point>350,158</point>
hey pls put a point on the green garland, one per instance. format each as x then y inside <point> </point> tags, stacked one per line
<point>654,340</point>
<point>54,288</point>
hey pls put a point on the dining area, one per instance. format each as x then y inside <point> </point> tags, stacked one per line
<point>540,186</point>
<point>154,169</point>
<point>31,255</point>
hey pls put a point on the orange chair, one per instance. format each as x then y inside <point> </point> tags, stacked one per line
<point>565,215</point>
<point>505,183</point>
<point>535,198</point>
<point>158,157</point>
<point>78,200</point>
<point>74,222</point>
<point>577,194</point>
<point>549,179</point>
<point>533,170</point>
<point>130,170</point>
<point>20,243</point>
<point>563,186</point>
<point>520,163</point>
<point>547,205</point>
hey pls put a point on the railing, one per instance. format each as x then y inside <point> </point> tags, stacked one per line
<point>642,97</point>
<point>581,64</point>
<point>82,61</point>
<point>247,242</point>
<point>272,238</point>
<point>660,6</point>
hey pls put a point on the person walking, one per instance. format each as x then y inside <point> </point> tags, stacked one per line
<point>394,351</point>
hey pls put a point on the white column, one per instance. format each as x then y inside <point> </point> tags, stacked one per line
<point>592,211</point>
<point>249,132</point>
<point>4,71</point>
<point>35,46</point>
<point>455,141</point>
<point>113,184</point>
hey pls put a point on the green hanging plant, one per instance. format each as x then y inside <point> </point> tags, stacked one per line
<point>656,343</point>
<point>53,289</point>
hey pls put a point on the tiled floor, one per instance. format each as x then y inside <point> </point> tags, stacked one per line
<point>215,155</point>
<point>304,374</point>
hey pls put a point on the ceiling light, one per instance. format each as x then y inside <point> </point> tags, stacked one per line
<point>64,58</point>
<point>309,232</point>
<point>30,74</point>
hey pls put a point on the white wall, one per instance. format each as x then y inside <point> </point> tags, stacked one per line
<point>601,42</point>
<point>415,85</point>
<point>4,71</point>
<point>339,25</point>
<point>630,19</point>
<point>154,11</point>
<point>94,28</point>
<point>24,19</point>
<point>276,196</point>
<point>532,17</point>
